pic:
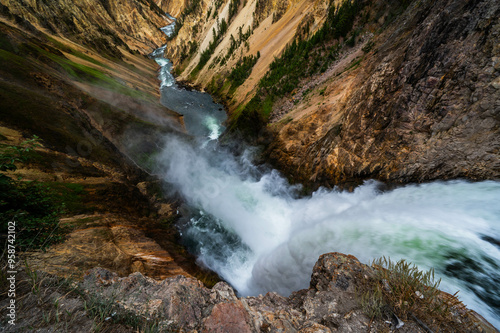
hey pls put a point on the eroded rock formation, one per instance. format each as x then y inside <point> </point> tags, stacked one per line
<point>331,304</point>
<point>423,104</point>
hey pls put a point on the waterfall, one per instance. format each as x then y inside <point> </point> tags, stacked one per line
<point>250,226</point>
<point>254,230</point>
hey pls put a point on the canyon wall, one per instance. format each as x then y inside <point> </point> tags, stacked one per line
<point>412,94</point>
<point>103,25</point>
<point>255,26</point>
<point>96,118</point>
<point>423,104</point>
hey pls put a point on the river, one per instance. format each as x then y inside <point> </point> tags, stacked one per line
<point>250,226</point>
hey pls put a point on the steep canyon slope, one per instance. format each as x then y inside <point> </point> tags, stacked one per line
<point>93,105</point>
<point>102,25</point>
<point>423,104</point>
<point>411,92</point>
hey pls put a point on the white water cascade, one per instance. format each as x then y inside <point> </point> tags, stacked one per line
<point>252,229</point>
<point>250,226</point>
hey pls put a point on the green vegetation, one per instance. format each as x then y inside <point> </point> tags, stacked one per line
<point>235,43</point>
<point>403,290</point>
<point>368,47</point>
<point>192,7</point>
<point>354,64</point>
<point>305,57</point>
<point>87,74</point>
<point>17,65</point>
<point>107,47</point>
<point>103,313</point>
<point>85,57</point>
<point>69,195</point>
<point>403,287</point>
<point>242,71</point>
<point>188,50</point>
<point>30,205</point>
<point>253,116</point>
<point>103,309</point>
<point>16,59</point>
<point>299,60</point>
<point>60,129</point>
<point>191,47</point>
<point>218,4</point>
<point>233,9</point>
<point>218,34</point>
<point>67,49</point>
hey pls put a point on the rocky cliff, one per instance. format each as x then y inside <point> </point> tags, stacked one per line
<point>102,25</point>
<point>405,92</point>
<point>252,26</point>
<point>422,104</point>
<point>334,302</point>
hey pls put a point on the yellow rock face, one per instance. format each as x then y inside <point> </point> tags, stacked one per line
<point>95,24</point>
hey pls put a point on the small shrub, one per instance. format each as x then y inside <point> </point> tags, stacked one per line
<point>105,311</point>
<point>207,53</point>
<point>401,289</point>
<point>233,9</point>
<point>372,302</point>
<point>30,204</point>
<point>368,47</point>
<point>406,288</point>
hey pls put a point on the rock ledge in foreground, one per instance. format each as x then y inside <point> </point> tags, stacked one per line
<point>331,303</point>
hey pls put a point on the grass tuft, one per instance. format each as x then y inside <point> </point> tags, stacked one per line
<point>401,289</point>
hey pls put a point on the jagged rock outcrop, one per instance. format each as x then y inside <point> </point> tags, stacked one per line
<point>104,301</point>
<point>331,304</point>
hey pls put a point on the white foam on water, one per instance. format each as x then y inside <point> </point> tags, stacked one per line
<point>259,237</point>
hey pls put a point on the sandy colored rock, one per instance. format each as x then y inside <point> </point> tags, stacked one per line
<point>102,25</point>
<point>108,241</point>
<point>227,318</point>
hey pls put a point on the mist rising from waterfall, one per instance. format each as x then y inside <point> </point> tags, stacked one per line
<point>252,229</point>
